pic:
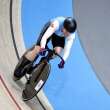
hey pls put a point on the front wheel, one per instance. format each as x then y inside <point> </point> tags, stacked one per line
<point>39,77</point>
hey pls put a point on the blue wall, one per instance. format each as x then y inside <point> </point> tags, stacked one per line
<point>76,86</point>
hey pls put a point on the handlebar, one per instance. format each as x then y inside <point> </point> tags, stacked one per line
<point>50,50</point>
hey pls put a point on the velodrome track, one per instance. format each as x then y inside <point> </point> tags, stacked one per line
<point>11,48</point>
<point>93,19</point>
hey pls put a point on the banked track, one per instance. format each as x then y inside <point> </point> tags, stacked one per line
<point>93,20</point>
<point>11,49</point>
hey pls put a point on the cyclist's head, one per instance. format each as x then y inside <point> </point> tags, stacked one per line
<point>70,24</point>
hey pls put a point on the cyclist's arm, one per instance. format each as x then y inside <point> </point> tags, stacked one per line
<point>68,46</point>
<point>52,28</point>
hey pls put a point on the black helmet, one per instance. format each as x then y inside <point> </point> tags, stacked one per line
<point>70,24</point>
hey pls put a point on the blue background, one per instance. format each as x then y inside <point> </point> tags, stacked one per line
<point>76,87</point>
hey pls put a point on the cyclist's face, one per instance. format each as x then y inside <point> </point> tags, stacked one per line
<point>66,33</point>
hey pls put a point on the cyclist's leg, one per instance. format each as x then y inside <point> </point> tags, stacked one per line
<point>18,73</point>
<point>58,43</point>
<point>58,50</point>
<point>30,55</point>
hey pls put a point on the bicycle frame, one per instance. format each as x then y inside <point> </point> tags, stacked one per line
<point>39,76</point>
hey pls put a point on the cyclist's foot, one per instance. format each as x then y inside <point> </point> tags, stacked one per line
<point>15,78</point>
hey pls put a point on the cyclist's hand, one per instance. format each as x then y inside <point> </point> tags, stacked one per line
<point>61,64</point>
<point>42,52</point>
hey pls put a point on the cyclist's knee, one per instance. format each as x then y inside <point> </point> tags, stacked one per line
<point>34,49</point>
<point>32,52</point>
<point>37,48</point>
<point>58,50</point>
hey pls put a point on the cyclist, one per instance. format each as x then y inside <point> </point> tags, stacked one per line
<point>61,32</point>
